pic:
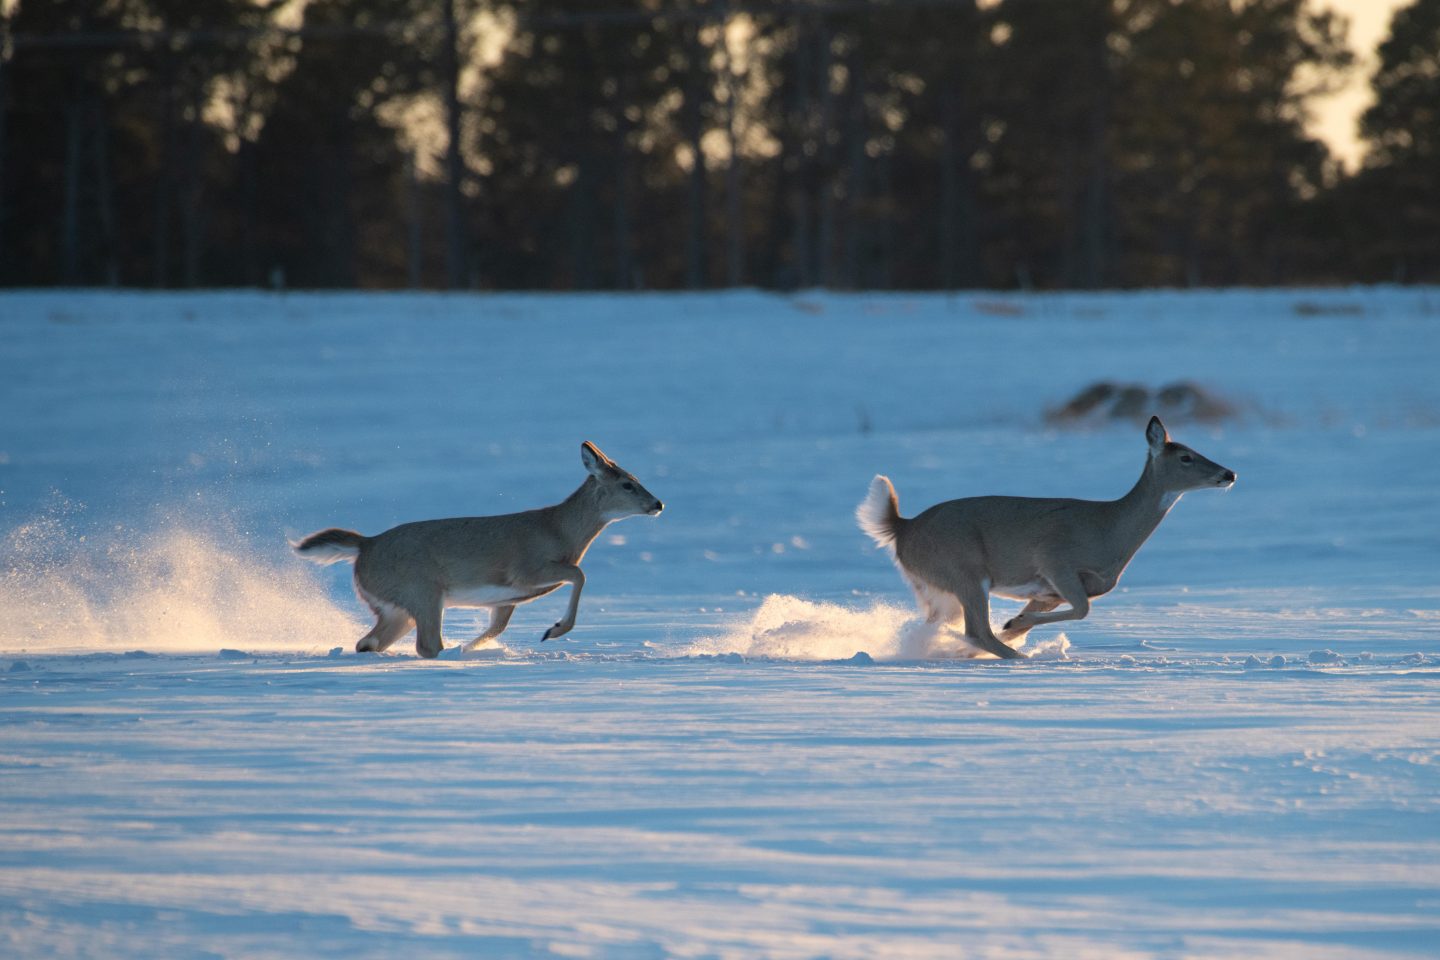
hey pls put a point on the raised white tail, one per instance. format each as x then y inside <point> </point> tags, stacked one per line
<point>1044,551</point>
<point>879,513</point>
<point>409,574</point>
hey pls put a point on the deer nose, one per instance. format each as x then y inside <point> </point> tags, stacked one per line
<point>655,510</point>
<point>1228,477</point>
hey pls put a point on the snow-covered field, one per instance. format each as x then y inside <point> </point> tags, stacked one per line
<point>740,751</point>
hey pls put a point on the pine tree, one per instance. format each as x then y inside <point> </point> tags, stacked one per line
<point>1401,178</point>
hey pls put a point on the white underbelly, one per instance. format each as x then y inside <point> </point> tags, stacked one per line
<point>1024,591</point>
<point>487,595</point>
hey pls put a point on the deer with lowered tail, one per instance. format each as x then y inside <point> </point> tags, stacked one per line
<point>1043,551</point>
<point>409,574</point>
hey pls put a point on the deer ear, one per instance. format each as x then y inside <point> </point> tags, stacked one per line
<point>596,463</point>
<point>1155,435</point>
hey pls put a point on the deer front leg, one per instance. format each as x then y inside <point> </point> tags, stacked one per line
<point>975,600</point>
<point>565,573</point>
<point>428,639</point>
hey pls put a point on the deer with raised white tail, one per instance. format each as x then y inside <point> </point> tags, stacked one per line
<point>1040,550</point>
<point>409,574</point>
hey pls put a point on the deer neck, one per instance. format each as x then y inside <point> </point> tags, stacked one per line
<point>1139,512</point>
<point>579,517</point>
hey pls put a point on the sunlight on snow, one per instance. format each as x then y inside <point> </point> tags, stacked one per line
<point>169,590</point>
<point>790,628</point>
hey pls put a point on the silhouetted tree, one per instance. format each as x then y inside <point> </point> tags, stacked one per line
<point>1048,141</point>
<point>1212,158</point>
<point>1396,197</point>
<point>578,127</point>
<point>914,144</point>
<point>113,184</point>
<point>331,175</point>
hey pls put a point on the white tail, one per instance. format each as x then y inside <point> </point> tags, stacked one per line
<point>879,512</point>
<point>329,546</point>
<point>1043,551</point>
<point>409,574</point>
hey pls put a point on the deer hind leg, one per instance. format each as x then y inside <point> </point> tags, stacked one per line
<point>428,641</point>
<point>391,624</point>
<point>974,596</point>
<point>499,619</point>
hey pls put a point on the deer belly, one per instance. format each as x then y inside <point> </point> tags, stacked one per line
<point>489,595</point>
<point>1034,590</point>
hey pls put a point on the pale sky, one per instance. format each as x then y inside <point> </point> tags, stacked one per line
<point>1336,117</point>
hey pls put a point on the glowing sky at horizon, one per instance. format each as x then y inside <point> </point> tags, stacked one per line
<point>1337,116</point>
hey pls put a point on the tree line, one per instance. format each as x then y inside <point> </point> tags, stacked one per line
<point>661,144</point>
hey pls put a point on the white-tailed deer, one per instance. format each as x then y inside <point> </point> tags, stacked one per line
<point>1044,551</point>
<point>409,574</point>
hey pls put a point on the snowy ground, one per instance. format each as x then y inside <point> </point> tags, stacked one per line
<point>1238,755</point>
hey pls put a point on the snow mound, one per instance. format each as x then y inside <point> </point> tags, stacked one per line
<point>1179,402</point>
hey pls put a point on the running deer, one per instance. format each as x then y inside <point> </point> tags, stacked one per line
<point>409,574</point>
<point>1043,551</point>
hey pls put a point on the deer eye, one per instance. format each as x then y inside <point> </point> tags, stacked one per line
<point>627,485</point>
<point>1186,458</point>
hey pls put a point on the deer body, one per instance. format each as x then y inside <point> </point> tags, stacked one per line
<point>1044,551</point>
<point>409,574</point>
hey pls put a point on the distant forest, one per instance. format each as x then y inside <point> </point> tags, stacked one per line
<point>685,144</point>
